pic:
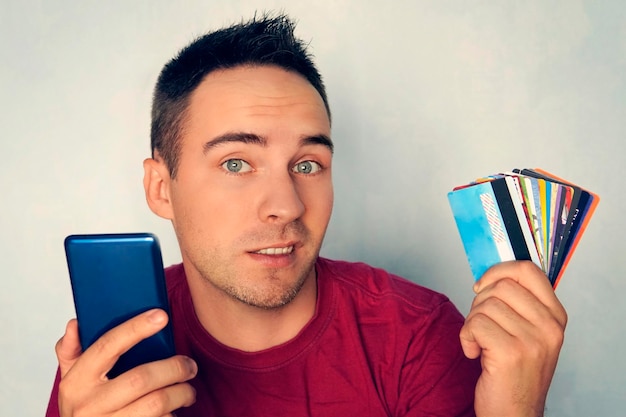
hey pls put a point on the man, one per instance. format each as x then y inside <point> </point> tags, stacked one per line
<point>241,166</point>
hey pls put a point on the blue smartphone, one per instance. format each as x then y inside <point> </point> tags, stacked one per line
<point>115,277</point>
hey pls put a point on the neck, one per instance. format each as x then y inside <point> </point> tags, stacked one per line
<point>248,328</point>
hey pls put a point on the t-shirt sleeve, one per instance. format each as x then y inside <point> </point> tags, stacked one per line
<point>436,378</point>
<point>53,404</point>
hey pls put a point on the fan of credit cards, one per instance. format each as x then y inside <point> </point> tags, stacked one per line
<point>525,214</point>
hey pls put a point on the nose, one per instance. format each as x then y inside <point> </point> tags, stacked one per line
<point>280,202</point>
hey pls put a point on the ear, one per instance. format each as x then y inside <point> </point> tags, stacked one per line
<point>156,184</point>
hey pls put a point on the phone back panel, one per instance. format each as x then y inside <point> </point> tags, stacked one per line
<point>115,277</point>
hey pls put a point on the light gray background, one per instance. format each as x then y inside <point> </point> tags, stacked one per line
<point>426,95</point>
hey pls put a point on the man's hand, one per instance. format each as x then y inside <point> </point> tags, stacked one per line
<point>154,389</point>
<point>516,326</point>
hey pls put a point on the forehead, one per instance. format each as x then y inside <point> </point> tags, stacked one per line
<point>249,97</point>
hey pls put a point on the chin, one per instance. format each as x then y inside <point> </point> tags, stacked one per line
<point>271,297</point>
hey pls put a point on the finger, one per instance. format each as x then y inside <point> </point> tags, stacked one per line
<point>68,348</point>
<point>529,276</point>
<point>163,401</point>
<point>144,379</point>
<point>534,326</point>
<point>100,357</point>
<point>525,272</point>
<point>511,306</point>
<point>505,310</point>
<point>470,347</point>
<point>490,323</point>
<point>503,306</point>
<point>481,332</point>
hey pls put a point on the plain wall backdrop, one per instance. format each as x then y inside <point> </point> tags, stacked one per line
<point>426,95</point>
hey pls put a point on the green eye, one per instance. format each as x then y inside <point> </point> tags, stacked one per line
<point>236,166</point>
<point>306,167</point>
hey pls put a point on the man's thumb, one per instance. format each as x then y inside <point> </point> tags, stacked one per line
<point>68,348</point>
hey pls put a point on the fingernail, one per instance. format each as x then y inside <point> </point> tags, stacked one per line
<point>156,316</point>
<point>476,286</point>
<point>193,367</point>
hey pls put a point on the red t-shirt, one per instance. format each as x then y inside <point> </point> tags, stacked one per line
<point>378,345</point>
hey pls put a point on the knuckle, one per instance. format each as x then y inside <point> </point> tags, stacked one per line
<point>491,305</point>
<point>565,318</point>
<point>104,344</point>
<point>556,343</point>
<point>487,307</point>
<point>555,333</point>
<point>157,402</point>
<point>138,379</point>
<point>111,342</point>
<point>504,285</point>
<point>478,320</point>
<point>527,265</point>
<point>550,323</point>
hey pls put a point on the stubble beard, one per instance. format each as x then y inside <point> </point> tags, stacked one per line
<point>269,291</point>
<point>271,298</point>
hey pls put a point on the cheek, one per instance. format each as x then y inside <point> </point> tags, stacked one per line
<point>205,212</point>
<point>319,204</point>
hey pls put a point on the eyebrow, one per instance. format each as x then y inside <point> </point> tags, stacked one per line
<point>251,138</point>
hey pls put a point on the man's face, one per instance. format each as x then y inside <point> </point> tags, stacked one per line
<point>253,193</point>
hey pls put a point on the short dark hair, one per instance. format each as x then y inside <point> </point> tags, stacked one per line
<point>268,40</point>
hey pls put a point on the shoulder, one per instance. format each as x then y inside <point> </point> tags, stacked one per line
<point>378,294</point>
<point>377,283</point>
<point>412,329</point>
